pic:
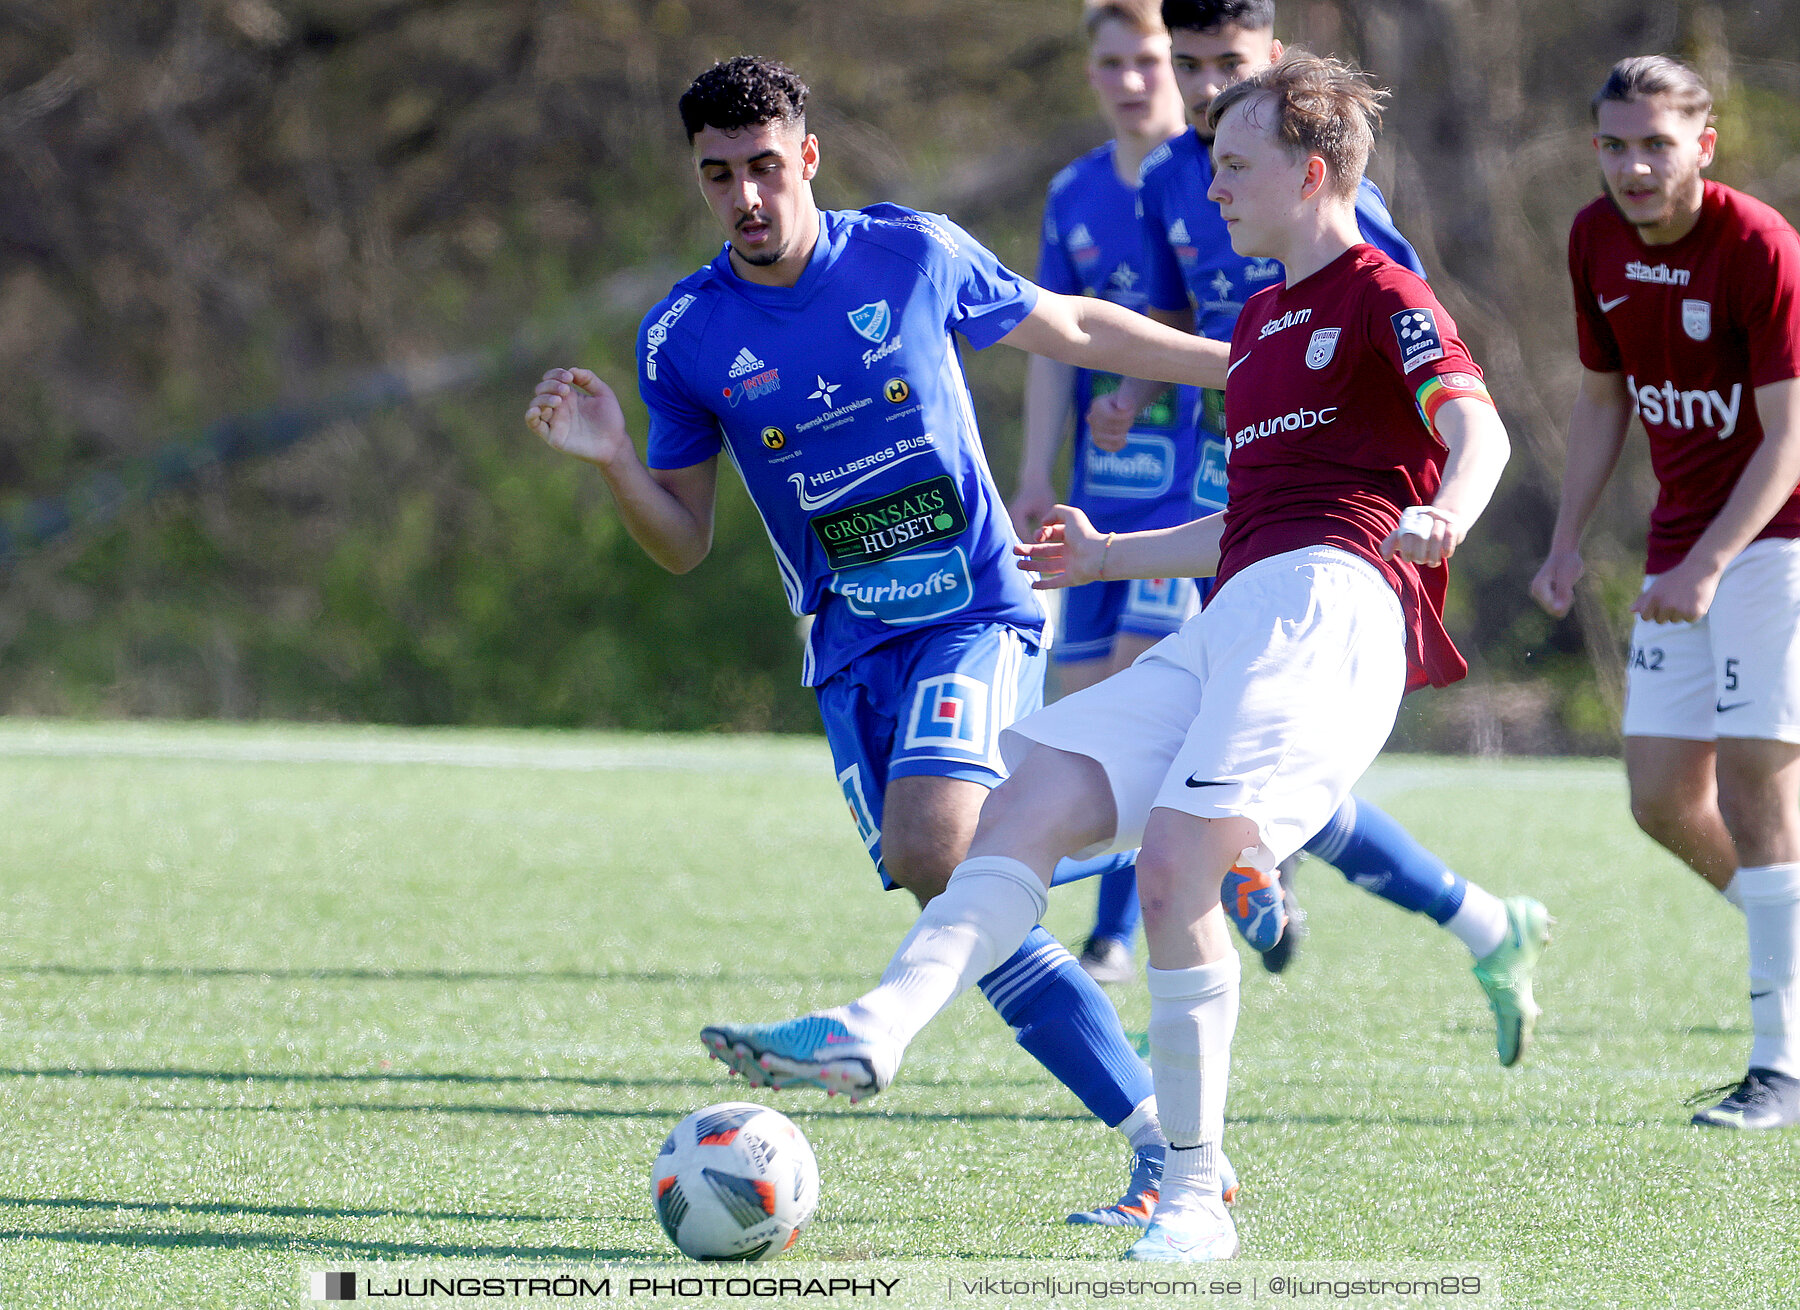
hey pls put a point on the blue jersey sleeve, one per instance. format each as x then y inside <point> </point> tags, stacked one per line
<point>987,299</point>
<point>1377,227</point>
<point>682,432</point>
<point>1163,283</point>
<point>1054,270</point>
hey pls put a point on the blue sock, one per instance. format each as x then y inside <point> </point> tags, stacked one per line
<point>1117,913</point>
<point>1064,1020</point>
<point>1100,865</point>
<point>1370,848</point>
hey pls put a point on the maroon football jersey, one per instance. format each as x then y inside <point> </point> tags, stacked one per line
<point>1696,326</point>
<point>1325,441</point>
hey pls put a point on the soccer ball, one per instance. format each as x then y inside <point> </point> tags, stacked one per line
<point>735,1181</point>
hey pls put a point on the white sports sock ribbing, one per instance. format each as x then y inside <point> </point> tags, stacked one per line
<point>1193,1015</point>
<point>1141,1127</point>
<point>978,921</point>
<point>1480,922</point>
<point>1771,902</point>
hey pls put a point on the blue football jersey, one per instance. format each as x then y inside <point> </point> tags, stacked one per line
<point>842,402</point>
<point>1188,259</point>
<point>1093,245</point>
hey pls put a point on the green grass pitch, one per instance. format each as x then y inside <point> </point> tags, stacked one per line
<point>281,1000</point>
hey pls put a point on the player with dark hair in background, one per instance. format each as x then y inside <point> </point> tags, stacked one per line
<point>1091,244</point>
<point>818,352</point>
<point>1363,447</point>
<point>1687,310</point>
<point>1195,280</point>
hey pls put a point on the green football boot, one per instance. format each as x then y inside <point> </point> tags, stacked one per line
<point>1505,975</point>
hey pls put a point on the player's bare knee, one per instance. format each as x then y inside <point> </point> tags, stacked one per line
<point>1662,816</point>
<point>1054,804</point>
<point>918,870</point>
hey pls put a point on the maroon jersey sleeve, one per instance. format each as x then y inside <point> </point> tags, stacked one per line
<point>1598,348</point>
<point>1413,332</point>
<point>1770,260</point>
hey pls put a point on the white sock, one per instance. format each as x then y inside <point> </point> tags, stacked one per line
<point>1193,1014</point>
<point>1141,1127</point>
<point>979,920</point>
<point>1731,893</point>
<point>1480,922</point>
<point>1771,902</point>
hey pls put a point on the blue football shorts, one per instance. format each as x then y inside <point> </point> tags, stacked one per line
<point>931,703</point>
<point>1095,615</point>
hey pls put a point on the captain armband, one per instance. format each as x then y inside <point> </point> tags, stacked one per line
<point>1441,390</point>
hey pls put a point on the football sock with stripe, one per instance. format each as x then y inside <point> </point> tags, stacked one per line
<point>1370,848</point>
<point>1063,1019</point>
<point>1116,911</point>
<point>1771,903</point>
<point>1193,1015</point>
<point>979,920</point>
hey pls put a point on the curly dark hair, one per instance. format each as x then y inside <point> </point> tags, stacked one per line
<point>1211,15</point>
<point>745,91</point>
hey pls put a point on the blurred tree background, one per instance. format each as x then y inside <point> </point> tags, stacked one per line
<point>220,207</point>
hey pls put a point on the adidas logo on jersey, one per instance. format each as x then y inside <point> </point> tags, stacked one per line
<point>1178,234</point>
<point>745,363</point>
<point>1081,238</point>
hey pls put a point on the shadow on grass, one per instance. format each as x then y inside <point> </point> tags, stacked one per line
<point>700,1078</point>
<point>705,1080</point>
<point>295,1244</point>
<point>583,1112</point>
<point>269,1211</point>
<point>176,973</point>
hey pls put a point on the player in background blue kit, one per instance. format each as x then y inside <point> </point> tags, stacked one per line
<point>1195,281</point>
<point>1158,476</point>
<point>818,353</point>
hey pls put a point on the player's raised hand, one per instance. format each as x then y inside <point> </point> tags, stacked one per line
<point>1426,536</point>
<point>1554,585</point>
<point>1067,552</point>
<point>579,415</point>
<point>1109,422</point>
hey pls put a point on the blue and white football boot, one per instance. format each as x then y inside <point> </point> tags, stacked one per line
<point>816,1050</point>
<point>1136,1208</point>
<point>1201,1232</point>
<point>1255,902</point>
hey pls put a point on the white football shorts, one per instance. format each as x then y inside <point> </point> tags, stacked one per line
<point>1269,704</point>
<point>1735,673</point>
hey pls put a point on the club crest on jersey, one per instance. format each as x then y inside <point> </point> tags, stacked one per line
<point>872,321</point>
<point>949,711</point>
<point>1417,332</point>
<point>1322,347</point>
<point>1696,318</point>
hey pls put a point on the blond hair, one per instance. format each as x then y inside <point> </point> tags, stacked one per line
<point>1143,16</point>
<point>1322,107</point>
